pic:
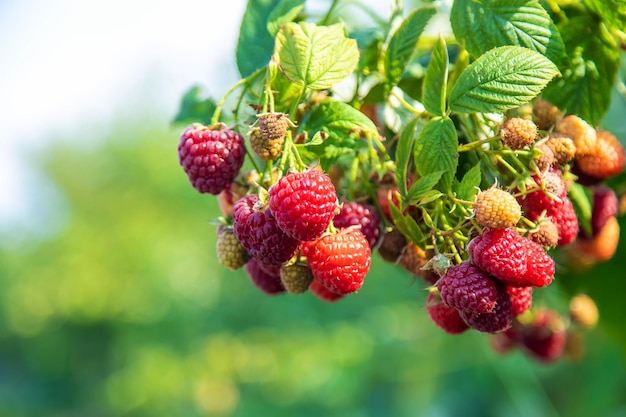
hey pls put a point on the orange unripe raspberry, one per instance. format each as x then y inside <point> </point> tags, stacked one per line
<point>603,245</point>
<point>580,132</point>
<point>546,114</point>
<point>414,258</point>
<point>497,209</point>
<point>562,147</point>
<point>518,133</point>
<point>546,235</point>
<point>584,311</point>
<point>605,160</point>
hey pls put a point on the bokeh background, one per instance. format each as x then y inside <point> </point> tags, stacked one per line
<point>111,299</point>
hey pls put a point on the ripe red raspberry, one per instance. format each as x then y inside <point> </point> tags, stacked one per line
<point>566,221</point>
<point>497,209</point>
<point>324,293</point>
<point>296,278</point>
<point>497,320</point>
<point>521,299</point>
<point>230,252</point>
<point>467,287</point>
<point>605,160</point>
<point>579,131</point>
<point>340,261</point>
<point>355,214</point>
<point>518,133</point>
<point>500,252</point>
<point>604,207</point>
<point>211,156</point>
<point>259,233</point>
<point>539,267</point>
<point>303,203</point>
<point>266,278</point>
<point>545,337</point>
<point>445,317</point>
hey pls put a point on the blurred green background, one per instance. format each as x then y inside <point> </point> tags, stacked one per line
<point>120,308</point>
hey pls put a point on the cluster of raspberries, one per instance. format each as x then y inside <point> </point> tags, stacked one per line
<point>293,237</point>
<point>291,233</point>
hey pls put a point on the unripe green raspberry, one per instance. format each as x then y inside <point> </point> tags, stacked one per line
<point>546,235</point>
<point>546,114</point>
<point>497,209</point>
<point>580,132</point>
<point>230,253</point>
<point>296,278</point>
<point>562,147</point>
<point>518,133</point>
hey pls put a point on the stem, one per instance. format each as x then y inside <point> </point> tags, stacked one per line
<point>331,9</point>
<point>243,81</point>
<point>405,104</point>
<point>294,109</point>
<point>473,145</point>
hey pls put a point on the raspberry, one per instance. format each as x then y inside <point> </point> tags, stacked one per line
<point>518,133</point>
<point>546,235</point>
<point>566,222</point>
<point>259,233</point>
<point>545,159</point>
<point>604,207</point>
<point>562,148</point>
<point>467,287</point>
<point>539,267</point>
<point>497,209</point>
<point>545,337</point>
<point>296,278</point>
<point>574,346</point>
<point>230,253</point>
<point>265,278</point>
<point>414,258</point>
<point>445,317</point>
<point>503,342</point>
<point>392,246</point>
<point>496,321</point>
<point>267,140</point>
<point>583,311</point>
<point>324,293</point>
<point>303,203</point>
<point>546,114</point>
<point>340,261</point>
<point>605,160</point>
<point>521,299</point>
<point>211,156</point>
<point>600,247</point>
<point>579,131</point>
<point>500,252</point>
<point>355,214</point>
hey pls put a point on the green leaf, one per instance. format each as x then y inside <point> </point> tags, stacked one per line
<point>316,57</point>
<point>502,78</point>
<point>585,88</point>
<point>466,189</point>
<point>436,150</point>
<point>406,224</point>
<point>422,186</point>
<point>436,80</point>
<point>339,120</point>
<point>255,44</point>
<point>369,42</point>
<point>581,200</point>
<point>404,153</point>
<point>486,24</point>
<point>613,12</point>
<point>402,45</point>
<point>195,108</point>
<point>430,196</point>
<point>286,11</point>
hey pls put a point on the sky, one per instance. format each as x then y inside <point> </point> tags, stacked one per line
<point>72,65</point>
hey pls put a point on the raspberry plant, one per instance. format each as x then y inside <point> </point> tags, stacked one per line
<point>465,156</point>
